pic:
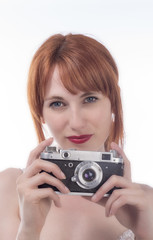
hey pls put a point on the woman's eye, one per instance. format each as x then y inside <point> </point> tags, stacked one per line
<point>90,99</point>
<point>56,104</point>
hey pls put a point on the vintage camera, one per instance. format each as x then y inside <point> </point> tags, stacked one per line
<point>85,171</point>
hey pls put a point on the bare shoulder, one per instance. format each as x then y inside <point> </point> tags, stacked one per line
<point>8,179</point>
<point>8,192</point>
<point>14,172</point>
<point>9,208</point>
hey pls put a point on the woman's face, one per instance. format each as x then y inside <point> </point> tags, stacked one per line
<point>80,121</point>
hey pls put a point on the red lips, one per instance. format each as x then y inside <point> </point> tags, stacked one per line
<point>80,139</point>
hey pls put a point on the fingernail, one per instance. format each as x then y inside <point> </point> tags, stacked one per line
<point>63,175</point>
<point>110,214</point>
<point>67,190</point>
<point>94,198</point>
<point>113,144</point>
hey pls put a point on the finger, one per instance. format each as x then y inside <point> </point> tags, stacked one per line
<point>113,181</point>
<point>116,195</point>
<point>39,194</point>
<point>127,165</point>
<point>36,152</point>
<point>122,200</point>
<point>38,165</point>
<point>44,177</point>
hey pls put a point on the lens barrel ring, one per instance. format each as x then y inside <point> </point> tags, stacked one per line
<point>96,178</point>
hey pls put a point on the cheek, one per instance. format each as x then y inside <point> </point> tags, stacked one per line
<point>104,125</point>
<point>102,118</point>
<point>54,123</point>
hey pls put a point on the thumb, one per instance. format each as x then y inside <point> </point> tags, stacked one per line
<point>127,165</point>
<point>37,151</point>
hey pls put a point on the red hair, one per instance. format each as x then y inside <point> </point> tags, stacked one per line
<point>84,64</point>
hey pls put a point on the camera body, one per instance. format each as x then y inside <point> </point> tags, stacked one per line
<point>85,171</point>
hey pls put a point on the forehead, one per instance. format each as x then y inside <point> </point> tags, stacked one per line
<point>55,85</point>
<point>55,88</point>
<point>55,79</point>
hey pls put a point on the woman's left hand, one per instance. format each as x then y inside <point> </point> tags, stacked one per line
<point>132,204</point>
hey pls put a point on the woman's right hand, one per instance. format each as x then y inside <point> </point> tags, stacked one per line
<point>34,202</point>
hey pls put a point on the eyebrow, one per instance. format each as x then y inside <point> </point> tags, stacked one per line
<point>61,98</point>
<point>87,94</point>
<point>53,98</point>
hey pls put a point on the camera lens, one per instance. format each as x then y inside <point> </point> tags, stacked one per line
<point>89,175</point>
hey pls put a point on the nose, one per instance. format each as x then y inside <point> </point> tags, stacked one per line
<point>77,119</point>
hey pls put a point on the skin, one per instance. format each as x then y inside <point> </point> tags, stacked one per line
<point>29,213</point>
<point>83,113</point>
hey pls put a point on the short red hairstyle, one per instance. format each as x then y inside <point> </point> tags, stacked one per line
<point>84,64</point>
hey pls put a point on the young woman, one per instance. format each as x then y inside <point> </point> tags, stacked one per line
<point>73,89</point>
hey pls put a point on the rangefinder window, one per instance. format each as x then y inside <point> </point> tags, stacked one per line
<point>106,156</point>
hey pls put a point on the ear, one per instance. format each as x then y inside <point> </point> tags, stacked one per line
<point>113,117</point>
<point>42,120</point>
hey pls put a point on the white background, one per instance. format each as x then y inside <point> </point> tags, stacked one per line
<point>126,29</point>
